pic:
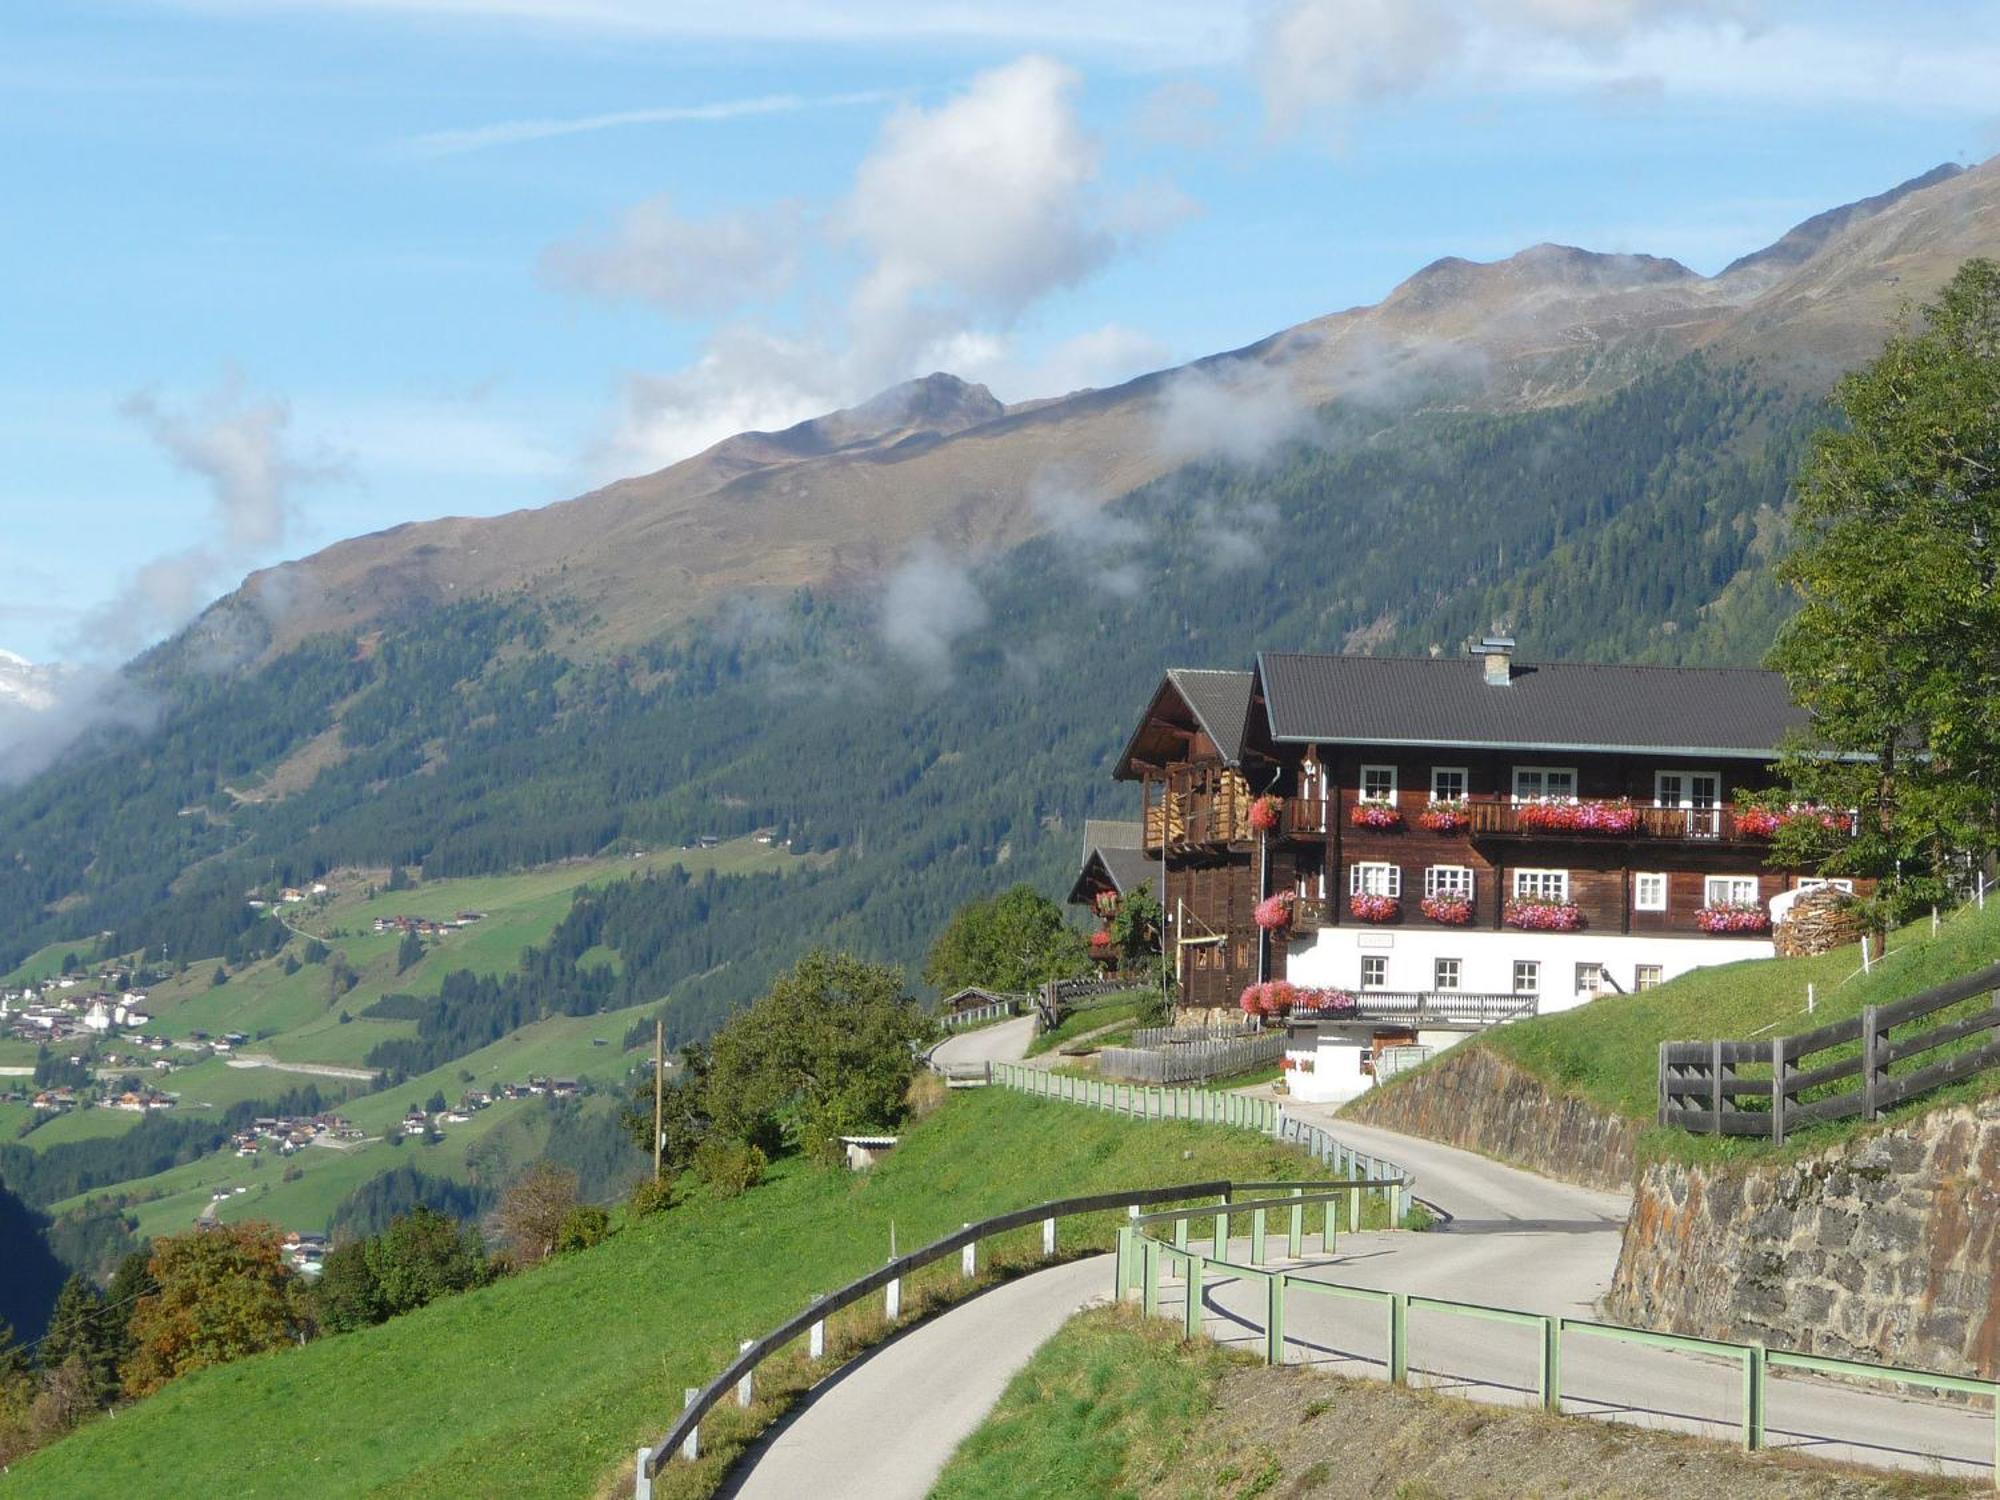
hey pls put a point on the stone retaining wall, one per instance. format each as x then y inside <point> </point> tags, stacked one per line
<point>1473,1098</point>
<point>1885,1248</point>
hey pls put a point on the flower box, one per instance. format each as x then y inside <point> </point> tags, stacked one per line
<point>1619,817</point>
<point>1455,911</point>
<point>1445,817</point>
<point>1274,913</point>
<point>1100,943</point>
<point>1375,815</point>
<point>1316,1002</point>
<point>1275,997</point>
<point>1733,918</point>
<point>1369,908</point>
<point>1764,822</point>
<point>1542,916</point>
<point>1264,814</point>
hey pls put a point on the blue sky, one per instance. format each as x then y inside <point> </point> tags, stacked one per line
<point>281,271</point>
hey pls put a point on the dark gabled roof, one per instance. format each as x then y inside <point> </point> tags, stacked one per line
<point>1218,701</point>
<point>1126,869</point>
<point>1553,706</point>
<point>1221,701</point>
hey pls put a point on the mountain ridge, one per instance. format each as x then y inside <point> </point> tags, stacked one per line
<point>841,498</point>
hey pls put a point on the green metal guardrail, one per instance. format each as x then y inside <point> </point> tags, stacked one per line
<point>1203,1107</point>
<point>1221,1109</point>
<point>1141,1255</point>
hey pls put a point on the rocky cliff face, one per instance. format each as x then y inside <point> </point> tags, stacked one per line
<point>1886,1248</point>
<point>1474,1099</point>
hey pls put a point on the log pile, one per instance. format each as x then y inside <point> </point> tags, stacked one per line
<point>1819,920</point>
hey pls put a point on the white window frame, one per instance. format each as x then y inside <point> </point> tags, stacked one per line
<point>1542,774</point>
<point>1464,776</point>
<point>1685,796</point>
<point>1648,977</point>
<point>1374,877</point>
<point>1380,798</point>
<point>1447,974</point>
<point>1533,885</point>
<point>1589,981</point>
<point>1641,899</point>
<point>1730,890</point>
<point>1448,880</point>
<point>1529,969</point>
<point>1817,882</point>
<point>1378,965</point>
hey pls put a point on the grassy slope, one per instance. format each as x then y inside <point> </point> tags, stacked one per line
<point>544,1383</point>
<point>298,1018</point>
<point>1118,1405</point>
<point>562,1047</point>
<point>1104,1408</point>
<point>1607,1051</point>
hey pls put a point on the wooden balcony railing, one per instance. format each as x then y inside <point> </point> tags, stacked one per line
<point>1702,825</point>
<point>1305,817</point>
<point>1202,805</point>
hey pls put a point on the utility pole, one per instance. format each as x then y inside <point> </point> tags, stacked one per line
<point>659,1089</point>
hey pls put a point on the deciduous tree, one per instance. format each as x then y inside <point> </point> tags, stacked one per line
<point>828,1051</point>
<point>1895,651</point>
<point>1016,940</point>
<point>222,1293</point>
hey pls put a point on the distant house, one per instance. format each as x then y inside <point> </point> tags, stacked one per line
<point>974,997</point>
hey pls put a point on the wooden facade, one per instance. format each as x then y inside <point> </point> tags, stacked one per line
<point>1197,788</point>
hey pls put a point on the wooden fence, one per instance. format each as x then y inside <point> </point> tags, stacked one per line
<point>1702,1086</point>
<point>1149,1037</point>
<point>1192,1062</point>
<point>1061,996</point>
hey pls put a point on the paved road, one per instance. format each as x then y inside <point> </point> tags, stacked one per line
<point>1005,1042</point>
<point>884,1427</point>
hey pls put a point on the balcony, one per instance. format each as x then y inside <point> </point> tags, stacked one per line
<point>1304,817</point>
<point>1443,1010</point>
<point>1196,807</point>
<point>1687,825</point>
<point>1309,914</point>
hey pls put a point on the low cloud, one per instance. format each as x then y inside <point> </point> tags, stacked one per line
<point>35,733</point>
<point>928,604</point>
<point>239,446</point>
<point>1235,409</point>
<point>1097,543</point>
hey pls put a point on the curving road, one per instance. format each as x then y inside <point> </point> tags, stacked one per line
<point>1005,1042</point>
<point>885,1426</point>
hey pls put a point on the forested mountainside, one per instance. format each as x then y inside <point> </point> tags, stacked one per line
<point>1636,525</point>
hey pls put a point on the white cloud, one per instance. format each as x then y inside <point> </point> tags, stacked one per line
<point>965,215</point>
<point>1329,57</point>
<point>1334,54</point>
<point>745,380</point>
<point>683,265</point>
<point>238,446</point>
<point>983,199</point>
<point>517,132</point>
<point>928,603</point>
<point>1234,409</point>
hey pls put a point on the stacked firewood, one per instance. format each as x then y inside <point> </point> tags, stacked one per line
<point>1819,920</point>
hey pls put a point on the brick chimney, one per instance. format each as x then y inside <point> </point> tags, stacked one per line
<point>1498,650</point>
